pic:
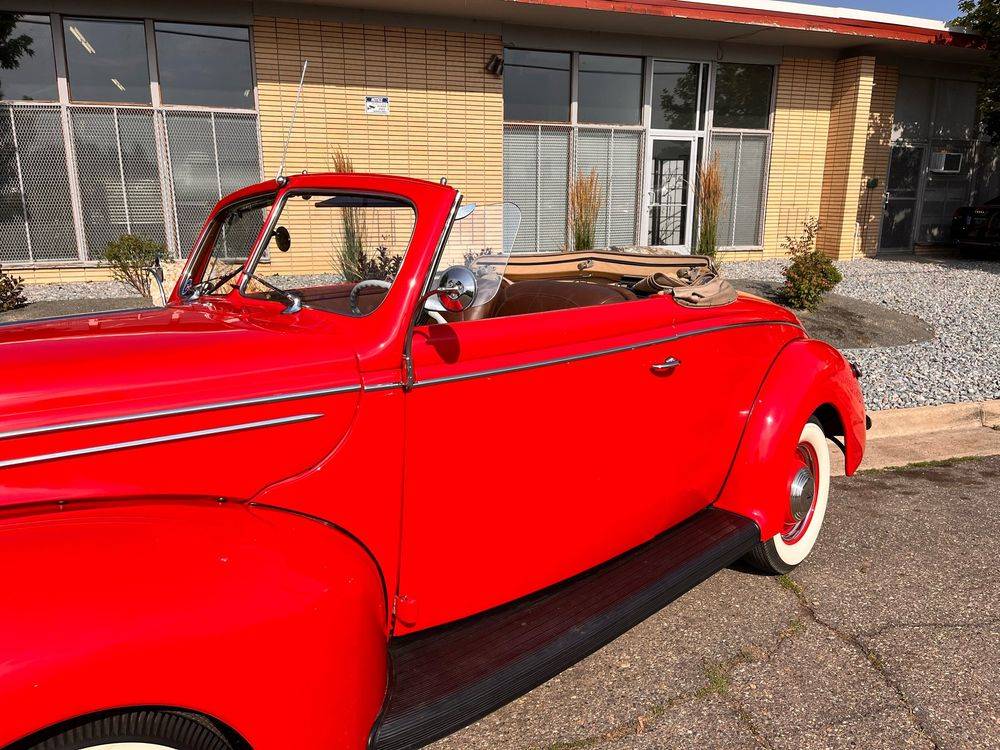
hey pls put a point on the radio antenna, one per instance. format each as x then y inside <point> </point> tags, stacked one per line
<point>288,136</point>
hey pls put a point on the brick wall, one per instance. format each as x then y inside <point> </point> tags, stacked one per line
<point>845,156</point>
<point>446,111</point>
<point>798,149</point>
<point>877,149</point>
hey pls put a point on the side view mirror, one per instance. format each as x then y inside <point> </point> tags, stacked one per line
<point>455,292</point>
<point>156,272</point>
<point>282,239</point>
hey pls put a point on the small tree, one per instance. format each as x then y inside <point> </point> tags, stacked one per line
<point>709,201</point>
<point>130,258</point>
<point>585,201</point>
<point>12,48</point>
<point>351,253</point>
<point>811,274</point>
<point>11,291</point>
<point>982,17</point>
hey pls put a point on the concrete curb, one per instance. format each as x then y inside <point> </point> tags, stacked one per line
<point>922,419</point>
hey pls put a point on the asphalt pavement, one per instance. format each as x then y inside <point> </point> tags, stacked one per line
<point>888,636</point>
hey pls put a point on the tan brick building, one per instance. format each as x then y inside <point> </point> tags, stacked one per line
<point>135,118</point>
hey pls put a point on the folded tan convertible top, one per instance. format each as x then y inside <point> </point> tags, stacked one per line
<point>604,264</point>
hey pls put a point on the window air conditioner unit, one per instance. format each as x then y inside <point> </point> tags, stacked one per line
<point>949,162</point>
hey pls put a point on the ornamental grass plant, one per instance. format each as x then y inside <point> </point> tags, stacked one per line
<point>709,202</point>
<point>585,203</point>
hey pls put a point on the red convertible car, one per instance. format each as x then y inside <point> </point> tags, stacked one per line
<point>301,512</point>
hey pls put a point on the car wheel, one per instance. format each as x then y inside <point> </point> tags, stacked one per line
<point>808,491</point>
<point>139,730</point>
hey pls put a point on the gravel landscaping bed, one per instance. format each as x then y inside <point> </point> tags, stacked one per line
<point>960,299</point>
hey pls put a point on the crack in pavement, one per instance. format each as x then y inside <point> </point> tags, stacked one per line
<point>717,676</point>
<point>872,657</point>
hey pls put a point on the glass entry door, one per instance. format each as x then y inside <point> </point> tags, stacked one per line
<point>902,191</point>
<point>671,195</point>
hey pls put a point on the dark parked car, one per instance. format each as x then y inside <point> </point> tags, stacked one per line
<point>976,229</point>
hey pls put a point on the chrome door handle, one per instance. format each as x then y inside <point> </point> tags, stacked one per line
<point>668,364</point>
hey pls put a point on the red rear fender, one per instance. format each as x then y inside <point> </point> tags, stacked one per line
<point>271,623</point>
<point>808,376</point>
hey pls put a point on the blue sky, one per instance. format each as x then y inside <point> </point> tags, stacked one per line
<point>942,10</point>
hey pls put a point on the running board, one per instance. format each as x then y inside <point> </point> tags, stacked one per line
<point>452,675</point>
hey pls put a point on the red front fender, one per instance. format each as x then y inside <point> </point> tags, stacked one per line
<point>808,376</point>
<point>269,622</point>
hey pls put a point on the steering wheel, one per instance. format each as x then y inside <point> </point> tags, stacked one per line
<point>366,284</point>
<point>379,284</point>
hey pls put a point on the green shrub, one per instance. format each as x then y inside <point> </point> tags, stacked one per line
<point>129,258</point>
<point>379,265</point>
<point>811,274</point>
<point>11,291</point>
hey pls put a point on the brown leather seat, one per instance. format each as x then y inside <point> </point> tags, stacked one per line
<point>544,295</point>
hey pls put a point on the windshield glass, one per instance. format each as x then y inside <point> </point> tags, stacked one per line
<point>481,239</point>
<point>227,245</point>
<point>335,251</point>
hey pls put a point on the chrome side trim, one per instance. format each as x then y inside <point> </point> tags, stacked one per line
<point>598,353</point>
<point>383,386</point>
<point>106,448</point>
<point>100,422</point>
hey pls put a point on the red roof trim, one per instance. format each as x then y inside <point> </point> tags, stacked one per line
<point>779,19</point>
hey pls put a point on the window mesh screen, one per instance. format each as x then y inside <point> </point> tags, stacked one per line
<point>536,179</point>
<point>614,155</point>
<point>743,162</point>
<point>540,162</point>
<point>210,156</point>
<point>36,220</point>
<point>119,175</point>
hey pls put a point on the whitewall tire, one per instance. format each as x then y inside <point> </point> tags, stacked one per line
<point>808,492</point>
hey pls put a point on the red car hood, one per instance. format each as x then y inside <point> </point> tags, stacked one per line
<point>67,369</point>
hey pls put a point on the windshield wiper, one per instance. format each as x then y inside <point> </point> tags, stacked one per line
<point>294,300</point>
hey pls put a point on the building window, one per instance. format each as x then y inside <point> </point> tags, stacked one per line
<point>609,90</point>
<point>119,175</point>
<point>34,77</point>
<point>741,121</point>
<point>536,85</point>
<point>79,175</point>
<point>205,66</point>
<point>211,155</point>
<point>36,220</point>
<point>604,137</point>
<point>743,96</point>
<point>743,160</point>
<point>678,101</point>
<point>107,60</point>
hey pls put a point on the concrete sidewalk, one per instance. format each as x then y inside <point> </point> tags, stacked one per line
<point>900,437</point>
<point>887,637</point>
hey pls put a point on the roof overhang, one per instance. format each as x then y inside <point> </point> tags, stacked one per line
<point>767,22</point>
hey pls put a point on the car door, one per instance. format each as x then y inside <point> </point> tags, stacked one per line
<point>541,445</point>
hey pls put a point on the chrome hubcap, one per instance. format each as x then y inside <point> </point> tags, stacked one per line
<point>803,492</point>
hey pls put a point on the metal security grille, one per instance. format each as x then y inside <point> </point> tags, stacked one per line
<point>536,179</point>
<point>74,178</point>
<point>211,154</point>
<point>119,175</point>
<point>743,162</point>
<point>36,217</point>
<point>540,161</point>
<point>614,154</point>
